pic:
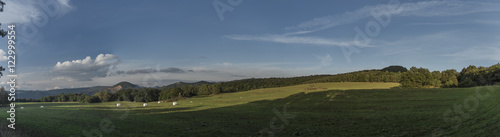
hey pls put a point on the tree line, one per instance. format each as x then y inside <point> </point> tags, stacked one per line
<point>468,77</point>
<point>390,74</point>
<point>412,78</point>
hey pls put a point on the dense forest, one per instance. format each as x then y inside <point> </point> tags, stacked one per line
<point>468,77</point>
<point>412,78</point>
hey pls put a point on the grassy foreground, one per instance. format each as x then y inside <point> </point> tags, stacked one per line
<point>324,109</point>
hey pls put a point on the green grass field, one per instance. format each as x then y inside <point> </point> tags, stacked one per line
<point>322,109</point>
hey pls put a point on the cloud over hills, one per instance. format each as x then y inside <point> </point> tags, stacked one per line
<point>85,69</point>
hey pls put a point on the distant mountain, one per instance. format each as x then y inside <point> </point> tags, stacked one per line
<point>87,91</point>
<point>182,84</point>
<point>122,85</point>
<point>38,94</point>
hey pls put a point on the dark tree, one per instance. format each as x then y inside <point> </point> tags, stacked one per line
<point>418,78</point>
<point>103,96</point>
<point>2,4</point>
<point>449,78</point>
<point>92,99</point>
<point>3,97</point>
<point>3,33</point>
<point>394,69</point>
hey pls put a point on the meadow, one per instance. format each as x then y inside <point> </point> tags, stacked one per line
<point>320,109</point>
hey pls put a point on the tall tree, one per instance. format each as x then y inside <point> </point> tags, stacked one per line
<point>1,4</point>
<point>103,96</point>
<point>449,78</point>
<point>417,77</point>
<point>3,97</point>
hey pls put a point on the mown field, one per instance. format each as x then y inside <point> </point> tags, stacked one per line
<point>323,109</point>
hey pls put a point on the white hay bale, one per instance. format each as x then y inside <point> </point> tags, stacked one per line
<point>41,106</point>
<point>159,102</point>
<point>190,101</point>
<point>145,104</point>
<point>22,107</point>
<point>118,104</point>
<point>175,103</point>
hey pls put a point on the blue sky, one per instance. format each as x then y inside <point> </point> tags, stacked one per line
<point>153,43</point>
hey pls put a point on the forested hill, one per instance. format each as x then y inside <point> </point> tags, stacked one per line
<point>182,84</point>
<point>84,90</point>
<point>412,78</point>
<point>388,74</point>
<point>359,76</point>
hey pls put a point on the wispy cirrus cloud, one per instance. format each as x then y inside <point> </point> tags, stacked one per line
<point>457,45</point>
<point>298,40</point>
<point>151,70</point>
<point>414,44</point>
<point>421,8</point>
<point>477,53</point>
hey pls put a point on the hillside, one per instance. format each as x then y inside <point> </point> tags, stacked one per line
<point>182,84</point>
<point>38,94</point>
<point>234,113</point>
<point>87,90</point>
<point>332,109</point>
<point>388,74</point>
<point>122,85</point>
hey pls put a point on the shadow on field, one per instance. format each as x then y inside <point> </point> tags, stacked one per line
<point>369,112</point>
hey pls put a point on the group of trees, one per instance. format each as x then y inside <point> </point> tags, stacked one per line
<point>362,76</point>
<point>421,77</point>
<point>71,97</point>
<point>388,74</point>
<point>479,76</point>
<point>27,100</point>
<point>3,97</point>
<point>468,77</point>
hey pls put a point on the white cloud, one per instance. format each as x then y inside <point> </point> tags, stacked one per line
<point>23,11</point>
<point>221,71</point>
<point>85,69</point>
<point>226,64</point>
<point>56,87</point>
<point>3,56</point>
<point>297,40</point>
